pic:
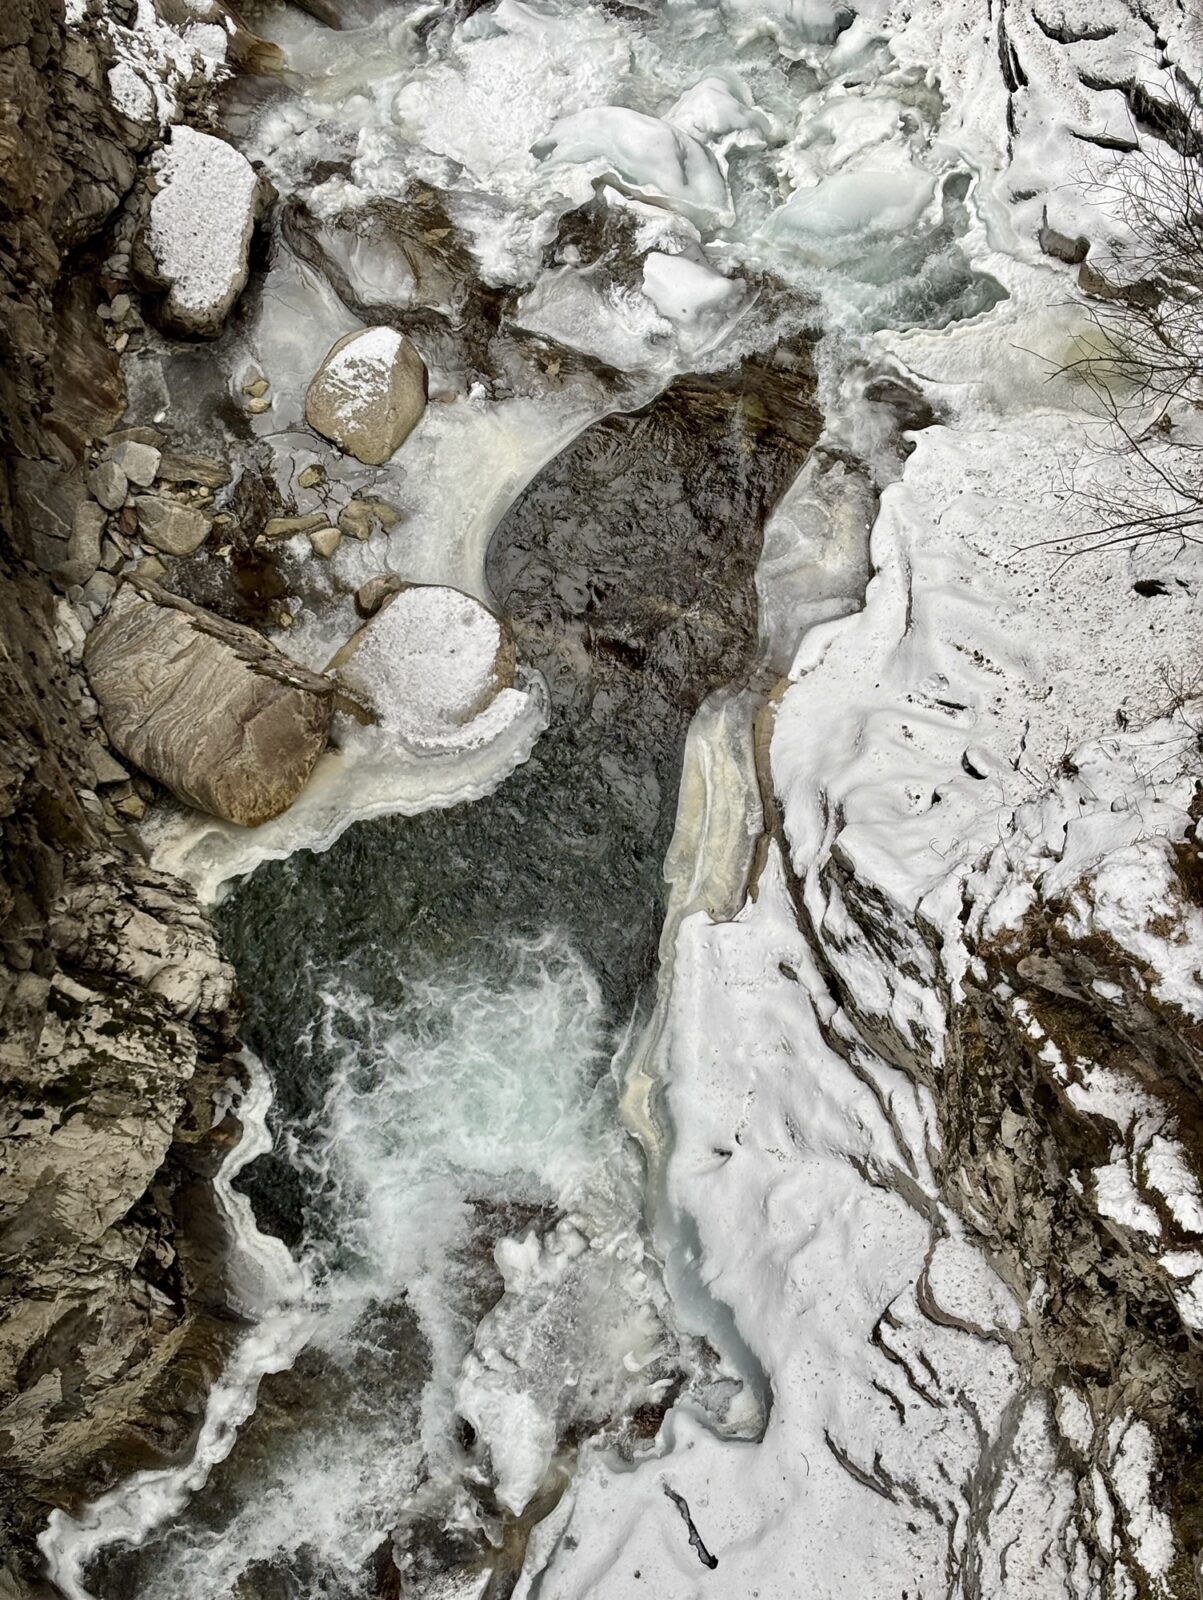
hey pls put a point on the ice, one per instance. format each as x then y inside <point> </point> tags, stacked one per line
<point>826,220</point>
<point>688,291</point>
<point>645,156</point>
<point>719,110</point>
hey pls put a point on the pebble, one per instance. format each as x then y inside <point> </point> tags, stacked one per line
<point>257,389</point>
<point>119,307</point>
<point>285,527</point>
<point>311,477</point>
<point>120,342</point>
<point>258,407</point>
<point>110,555</point>
<point>325,542</point>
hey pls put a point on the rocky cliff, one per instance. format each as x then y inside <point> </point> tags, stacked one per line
<point>116,1007</point>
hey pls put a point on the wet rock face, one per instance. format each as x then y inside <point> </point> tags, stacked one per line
<point>206,707</point>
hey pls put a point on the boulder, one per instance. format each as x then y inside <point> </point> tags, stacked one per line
<point>427,665</point>
<point>368,394</point>
<point>170,527</point>
<point>208,708</point>
<point>196,240</point>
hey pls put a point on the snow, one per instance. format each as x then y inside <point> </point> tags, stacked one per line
<point>427,666</point>
<point>154,60</point>
<point>358,376</point>
<point>201,220</point>
<point>850,204</point>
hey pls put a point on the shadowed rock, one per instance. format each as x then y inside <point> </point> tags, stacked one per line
<point>227,722</point>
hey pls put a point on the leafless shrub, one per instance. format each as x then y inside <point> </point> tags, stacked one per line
<point>1143,358</point>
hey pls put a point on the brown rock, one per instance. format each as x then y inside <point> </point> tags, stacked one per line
<point>210,709</point>
<point>368,394</point>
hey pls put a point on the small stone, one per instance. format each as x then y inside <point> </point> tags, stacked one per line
<point>133,806</point>
<point>356,519</point>
<point>285,527</point>
<point>99,589</point>
<point>119,307</point>
<point>139,462</point>
<point>105,765</point>
<point>285,619</point>
<point>86,620</point>
<point>166,525</point>
<point>370,596</point>
<point>103,313</point>
<point>257,407</point>
<point>325,542</point>
<point>151,567</point>
<point>256,389</point>
<point>120,342</point>
<point>110,556</point>
<point>108,484</point>
<point>186,466</point>
<point>311,477</point>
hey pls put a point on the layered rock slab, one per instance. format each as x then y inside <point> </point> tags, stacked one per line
<point>208,708</point>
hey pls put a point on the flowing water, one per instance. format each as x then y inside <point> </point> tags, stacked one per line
<point>445,1003</point>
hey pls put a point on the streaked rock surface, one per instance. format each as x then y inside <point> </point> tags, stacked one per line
<point>207,707</point>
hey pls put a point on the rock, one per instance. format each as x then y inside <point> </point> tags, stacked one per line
<point>119,307</point>
<point>110,555</point>
<point>368,394</point>
<point>370,596</point>
<point>311,477</point>
<point>358,517</point>
<point>208,708</point>
<point>100,589</point>
<point>108,484</point>
<point>198,231</point>
<point>138,460</point>
<point>83,547</point>
<point>168,526</point>
<point>285,527</point>
<point>105,766</point>
<point>186,466</point>
<point>428,663</point>
<point>151,569</point>
<point>325,542</point>
<point>356,520</point>
<point>1060,245</point>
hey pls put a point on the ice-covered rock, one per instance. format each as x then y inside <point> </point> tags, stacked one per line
<point>687,291</point>
<point>826,219</point>
<point>432,665</point>
<point>368,394</point>
<point>719,110</point>
<point>208,708</point>
<point>197,236</point>
<point>645,156</point>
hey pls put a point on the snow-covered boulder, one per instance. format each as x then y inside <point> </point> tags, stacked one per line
<point>433,666</point>
<point>208,708</point>
<point>368,394</point>
<point>196,240</point>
